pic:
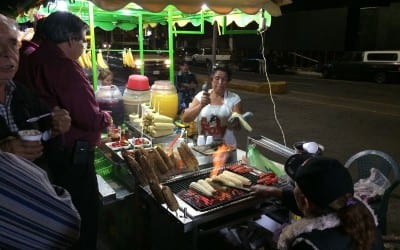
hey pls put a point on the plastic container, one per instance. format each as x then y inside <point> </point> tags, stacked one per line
<point>137,91</point>
<point>109,98</point>
<point>164,98</point>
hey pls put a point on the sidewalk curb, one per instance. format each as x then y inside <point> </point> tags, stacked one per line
<point>304,72</point>
<point>278,87</point>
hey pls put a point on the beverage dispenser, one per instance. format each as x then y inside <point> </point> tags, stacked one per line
<point>137,92</point>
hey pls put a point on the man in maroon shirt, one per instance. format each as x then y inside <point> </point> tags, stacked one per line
<point>59,80</point>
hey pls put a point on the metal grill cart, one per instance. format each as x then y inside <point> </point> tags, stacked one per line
<point>183,229</point>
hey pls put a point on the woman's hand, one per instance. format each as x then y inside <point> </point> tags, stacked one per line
<point>205,99</point>
<point>234,124</point>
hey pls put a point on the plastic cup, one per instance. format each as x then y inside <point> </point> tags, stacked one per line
<point>209,139</point>
<point>201,140</point>
<point>30,135</point>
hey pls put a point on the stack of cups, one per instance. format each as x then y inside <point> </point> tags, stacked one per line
<point>202,140</point>
<point>209,139</point>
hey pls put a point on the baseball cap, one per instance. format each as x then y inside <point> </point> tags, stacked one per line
<point>321,179</point>
<point>294,162</point>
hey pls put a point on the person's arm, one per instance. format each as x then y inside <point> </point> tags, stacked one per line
<point>237,108</point>
<point>75,94</point>
<point>195,107</point>
<point>34,212</point>
<point>267,191</point>
<point>235,125</point>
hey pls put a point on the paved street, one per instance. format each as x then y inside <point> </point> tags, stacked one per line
<point>345,117</point>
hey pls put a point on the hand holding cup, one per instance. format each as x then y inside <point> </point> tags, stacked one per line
<point>28,145</point>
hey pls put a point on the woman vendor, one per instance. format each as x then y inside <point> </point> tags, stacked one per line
<point>212,108</point>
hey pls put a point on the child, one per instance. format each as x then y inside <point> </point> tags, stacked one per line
<point>106,77</point>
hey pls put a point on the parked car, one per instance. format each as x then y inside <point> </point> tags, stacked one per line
<point>257,65</point>
<point>379,66</point>
<point>204,56</point>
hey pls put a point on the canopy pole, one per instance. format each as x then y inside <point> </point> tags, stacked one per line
<point>141,40</point>
<point>214,46</point>
<point>93,46</point>
<point>171,46</point>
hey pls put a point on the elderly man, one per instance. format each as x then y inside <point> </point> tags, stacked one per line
<point>33,212</point>
<point>17,103</point>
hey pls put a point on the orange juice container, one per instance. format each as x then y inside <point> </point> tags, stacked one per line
<point>164,98</point>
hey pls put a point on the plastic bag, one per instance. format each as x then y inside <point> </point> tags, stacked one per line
<point>373,187</point>
<point>259,161</point>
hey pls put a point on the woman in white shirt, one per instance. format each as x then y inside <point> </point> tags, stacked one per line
<point>212,108</point>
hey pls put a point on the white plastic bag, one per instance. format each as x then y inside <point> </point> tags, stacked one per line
<point>372,187</point>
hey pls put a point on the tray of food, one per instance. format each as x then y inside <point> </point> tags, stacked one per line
<point>118,145</point>
<point>140,142</point>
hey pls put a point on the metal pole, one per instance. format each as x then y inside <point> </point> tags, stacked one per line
<point>141,53</point>
<point>93,45</point>
<point>171,47</point>
<point>214,45</point>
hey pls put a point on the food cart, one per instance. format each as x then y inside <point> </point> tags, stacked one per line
<point>146,217</point>
<point>157,225</point>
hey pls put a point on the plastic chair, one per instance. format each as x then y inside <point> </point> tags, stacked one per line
<point>359,166</point>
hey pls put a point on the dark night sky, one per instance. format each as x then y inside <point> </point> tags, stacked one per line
<point>328,4</point>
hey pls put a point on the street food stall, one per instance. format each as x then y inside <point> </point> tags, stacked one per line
<point>180,190</point>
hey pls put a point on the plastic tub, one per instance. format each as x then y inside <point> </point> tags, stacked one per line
<point>137,91</point>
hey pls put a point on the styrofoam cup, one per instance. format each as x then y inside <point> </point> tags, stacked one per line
<point>201,140</point>
<point>209,139</point>
<point>30,135</point>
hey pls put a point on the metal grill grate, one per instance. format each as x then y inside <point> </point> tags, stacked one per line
<point>201,203</point>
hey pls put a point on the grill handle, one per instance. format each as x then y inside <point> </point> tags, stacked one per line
<point>271,145</point>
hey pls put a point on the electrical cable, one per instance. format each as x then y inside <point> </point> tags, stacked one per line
<point>270,87</point>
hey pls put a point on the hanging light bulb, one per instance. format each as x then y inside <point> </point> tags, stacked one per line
<point>61,5</point>
<point>148,31</point>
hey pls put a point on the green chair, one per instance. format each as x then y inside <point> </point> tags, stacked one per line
<point>359,166</point>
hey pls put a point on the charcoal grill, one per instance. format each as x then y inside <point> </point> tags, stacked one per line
<point>191,220</point>
<point>200,203</point>
<point>185,225</point>
<point>189,211</point>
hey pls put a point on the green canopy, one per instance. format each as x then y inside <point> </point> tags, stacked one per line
<point>127,18</point>
<point>133,16</point>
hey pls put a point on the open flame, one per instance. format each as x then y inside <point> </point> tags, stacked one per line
<point>219,158</point>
